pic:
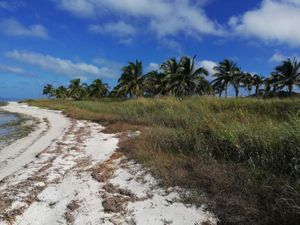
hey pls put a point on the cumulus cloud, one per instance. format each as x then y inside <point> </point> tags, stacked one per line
<point>11,5</point>
<point>14,70</point>
<point>60,66</point>
<point>273,21</point>
<point>278,57</point>
<point>13,27</point>
<point>163,17</point>
<point>120,29</point>
<point>113,66</point>
<point>81,8</point>
<point>208,65</point>
<point>152,66</point>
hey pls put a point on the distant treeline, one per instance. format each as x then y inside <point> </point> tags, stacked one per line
<point>183,78</point>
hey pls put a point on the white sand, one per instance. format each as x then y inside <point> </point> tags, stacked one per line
<point>23,151</point>
<point>49,169</point>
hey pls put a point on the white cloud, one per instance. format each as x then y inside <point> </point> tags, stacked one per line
<point>81,8</point>
<point>110,65</point>
<point>12,5</point>
<point>123,31</point>
<point>14,70</point>
<point>60,66</point>
<point>13,27</point>
<point>273,21</point>
<point>208,65</point>
<point>278,57</point>
<point>152,66</point>
<point>118,29</point>
<point>164,17</point>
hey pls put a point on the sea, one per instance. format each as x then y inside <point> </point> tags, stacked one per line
<point>5,120</point>
<point>2,99</point>
<point>10,124</point>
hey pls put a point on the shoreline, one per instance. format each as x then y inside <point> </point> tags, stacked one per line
<point>71,172</point>
<point>39,139</point>
<point>17,128</point>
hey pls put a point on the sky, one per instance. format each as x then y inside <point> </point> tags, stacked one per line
<point>54,41</point>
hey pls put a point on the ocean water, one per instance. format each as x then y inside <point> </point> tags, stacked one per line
<point>12,99</point>
<point>6,118</point>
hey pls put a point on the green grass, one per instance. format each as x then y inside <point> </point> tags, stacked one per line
<point>244,154</point>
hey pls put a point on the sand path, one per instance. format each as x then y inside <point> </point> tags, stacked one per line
<point>69,172</point>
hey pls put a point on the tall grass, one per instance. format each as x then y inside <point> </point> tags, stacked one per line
<point>240,147</point>
<point>260,133</point>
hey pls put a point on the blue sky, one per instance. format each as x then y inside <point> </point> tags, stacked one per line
<point>53,41</point>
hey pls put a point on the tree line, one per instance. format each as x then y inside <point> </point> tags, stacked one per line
<point>183,78</point>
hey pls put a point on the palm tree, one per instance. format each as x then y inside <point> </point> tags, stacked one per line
<point>204,87</point>
<point>49,90</point>
<point>84,91</point>
<point>275,83</point>
<point>193,77</point>
<point>182,78</point>
<point>98,89</point>
<point>267,83</point>
<point>153,83</point>
<point>77,90</point>
<point>169,68</point>
<point>236,81</point>
<point>248,82</point>
<point>131,81</point>
<point>218,86</point>
<point>61,92</point>
<point>225,73</point>
<point>257,82</point>
<point>74,88</point>
<point>117,93</point>
<point>288,74</point>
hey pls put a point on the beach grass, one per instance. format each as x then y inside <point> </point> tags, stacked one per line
<point>241,157</point>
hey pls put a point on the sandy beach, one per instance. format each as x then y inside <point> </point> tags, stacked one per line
<point>69,172</point>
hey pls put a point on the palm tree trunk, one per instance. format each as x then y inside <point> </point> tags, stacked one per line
<point>256,90</point>
<point>226,90</point>
<point>274,89</point>
<point>236,91</point>
<point>290,90</point>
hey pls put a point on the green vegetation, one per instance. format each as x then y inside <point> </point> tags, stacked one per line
<point>243,154</point>
<point>182,78</point>
<point>77,90</point>
<point>3,103</point>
